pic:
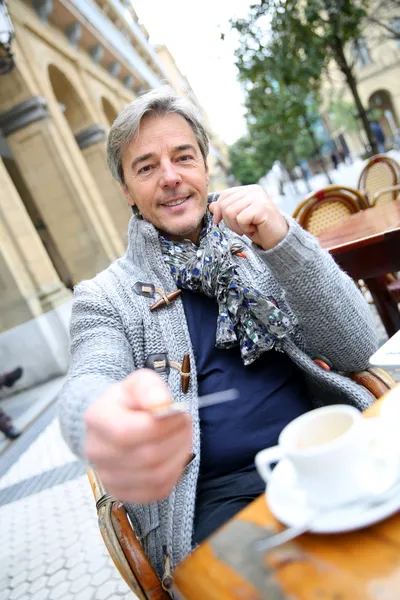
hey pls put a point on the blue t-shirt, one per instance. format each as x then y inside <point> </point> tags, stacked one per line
<point>271,394</point>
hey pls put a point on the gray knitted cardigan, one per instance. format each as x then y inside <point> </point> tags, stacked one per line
<point>113,331</point>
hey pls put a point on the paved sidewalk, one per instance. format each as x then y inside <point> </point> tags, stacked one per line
<point>51,547</point>
<point>25,406</point>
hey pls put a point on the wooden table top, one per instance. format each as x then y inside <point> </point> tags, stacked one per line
<point>364,227</point>
<point>359,565</point>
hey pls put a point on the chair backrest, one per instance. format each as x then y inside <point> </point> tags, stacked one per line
<point>323,209</point>
<point>380,172</point>
<point>123,545</point>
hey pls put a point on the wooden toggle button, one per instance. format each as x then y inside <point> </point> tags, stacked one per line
<point>184,370</point>
<point>238,251</point>
<point>185,373</point>
<point>160,363</point>
<point>165,298</point>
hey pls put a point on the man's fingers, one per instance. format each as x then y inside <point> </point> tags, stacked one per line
<point>144,452</point>
<point>248,219</point>
<point>140,483</point>
<point>231,191</point>
<point>144,389</point>
<point>237,205</point>
<point>221,205</point>
<point>127,430</point>
<point>215,210</point>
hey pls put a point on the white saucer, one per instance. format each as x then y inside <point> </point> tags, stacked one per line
<point>288,503</point>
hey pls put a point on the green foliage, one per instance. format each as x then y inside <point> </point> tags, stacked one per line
<point>343,114</point>
<point>244,164</point>
<point>285,47</point>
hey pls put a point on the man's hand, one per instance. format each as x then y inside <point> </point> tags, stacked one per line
<point>138,457</point>
<point>248,210</point>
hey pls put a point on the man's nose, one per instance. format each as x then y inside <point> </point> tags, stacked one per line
<point>170,176</point>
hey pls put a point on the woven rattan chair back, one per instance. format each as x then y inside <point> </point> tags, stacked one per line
<point>380,172</point>
<point>123,545</point>
<point>327,207</point>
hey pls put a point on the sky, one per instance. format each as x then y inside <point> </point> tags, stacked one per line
<point>191,30</point>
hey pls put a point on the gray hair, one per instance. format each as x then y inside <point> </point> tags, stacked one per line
<point>158,102</point>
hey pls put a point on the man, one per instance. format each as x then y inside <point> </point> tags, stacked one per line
<point>379,136</point>
<point>260,301</point>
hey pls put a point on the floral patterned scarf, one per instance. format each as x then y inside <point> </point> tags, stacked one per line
<point>245,315</point>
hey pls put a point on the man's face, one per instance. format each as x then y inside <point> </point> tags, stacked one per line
<point>165,176</point>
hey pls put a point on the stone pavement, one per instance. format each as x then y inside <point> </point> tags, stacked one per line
<point>25,406</point>
<point>50,546</point>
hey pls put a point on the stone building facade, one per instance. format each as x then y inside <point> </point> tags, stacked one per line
<point>62,217</point>
<point>376,58</point>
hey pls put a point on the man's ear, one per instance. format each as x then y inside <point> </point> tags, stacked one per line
<point>127,194</point>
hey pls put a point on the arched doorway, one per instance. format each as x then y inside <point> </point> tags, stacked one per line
<point>69,101</point>
<point>90,139</point>
<point>381,100</point>
<point>109,111</point>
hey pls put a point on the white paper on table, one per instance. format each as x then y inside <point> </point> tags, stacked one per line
<point>388,355</point>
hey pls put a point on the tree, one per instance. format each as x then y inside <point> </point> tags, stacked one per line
<point>342,114</point>
<point>244,165</point>
<point>385,14</point>
<point>313,33</point>
<point>280,109</point>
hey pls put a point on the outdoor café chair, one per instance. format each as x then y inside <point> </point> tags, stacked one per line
<point>119,536</point>
<point>379,180</point>
<point>324,208</point>
<point>379,197</point>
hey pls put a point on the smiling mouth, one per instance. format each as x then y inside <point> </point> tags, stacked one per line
<point>176,202</point>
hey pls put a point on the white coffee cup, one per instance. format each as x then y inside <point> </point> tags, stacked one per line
<point>333,454</point>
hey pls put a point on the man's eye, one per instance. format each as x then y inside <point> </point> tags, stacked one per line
<point>185,157</point>
<point>145,169</point>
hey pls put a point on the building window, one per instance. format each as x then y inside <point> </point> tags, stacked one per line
<point>361,53</point>
<point>395,25</point>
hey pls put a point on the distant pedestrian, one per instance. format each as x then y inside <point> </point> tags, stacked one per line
<point>334,159</point>
<point>379,136</point>
<point>6,425</point>
<point>306,173</point>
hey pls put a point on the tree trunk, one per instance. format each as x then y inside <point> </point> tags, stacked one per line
<point>292,179</point>
<point>317,151</point>
<point>347,71</point>
<point>296,162</point>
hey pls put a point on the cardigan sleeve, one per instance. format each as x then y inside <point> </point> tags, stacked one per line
<point>334,318</point>
<point>100,356</point>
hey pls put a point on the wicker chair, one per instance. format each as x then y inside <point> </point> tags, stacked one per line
<point>380,179</point>
<point>123,545</point>
<point>323,209</point>
<point>119,535</point>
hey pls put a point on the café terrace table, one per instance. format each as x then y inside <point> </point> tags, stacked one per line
<point>367,246</point>
<point>358,565</point>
